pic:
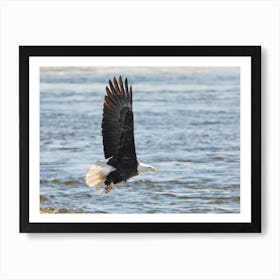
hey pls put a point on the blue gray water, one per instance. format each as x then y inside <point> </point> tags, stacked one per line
<point>187,125</point>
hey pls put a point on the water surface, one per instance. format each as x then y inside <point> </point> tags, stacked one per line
<point>186,125</point>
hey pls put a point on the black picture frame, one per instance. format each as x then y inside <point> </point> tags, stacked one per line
<point>25,52</point>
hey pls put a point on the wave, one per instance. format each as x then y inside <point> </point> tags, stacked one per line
<point>58,181</point>
<point>68,149</point>
<point>43,199</point>
<point>71,182</point>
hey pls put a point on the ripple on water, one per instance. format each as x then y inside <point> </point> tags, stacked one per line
<point>68,148</point>
<point>43,199</point>
<point>218,158</point>
<point>71,183</point>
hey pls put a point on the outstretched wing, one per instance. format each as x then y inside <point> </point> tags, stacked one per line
<point>118,127</point>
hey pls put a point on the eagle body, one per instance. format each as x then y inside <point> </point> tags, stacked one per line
<point>118,140</point>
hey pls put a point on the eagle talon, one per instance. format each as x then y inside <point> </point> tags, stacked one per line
<point>108,188</point>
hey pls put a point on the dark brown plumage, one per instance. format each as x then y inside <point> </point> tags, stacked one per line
<point>118,132</point>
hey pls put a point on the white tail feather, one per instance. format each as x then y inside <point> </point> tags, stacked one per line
<point>97,174</point>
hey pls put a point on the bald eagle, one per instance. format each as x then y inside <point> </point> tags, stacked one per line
<point>118,140</point>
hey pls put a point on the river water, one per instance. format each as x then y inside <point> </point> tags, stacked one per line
<point>187,125</point>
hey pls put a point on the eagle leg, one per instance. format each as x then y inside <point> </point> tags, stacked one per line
<point>108,188</point>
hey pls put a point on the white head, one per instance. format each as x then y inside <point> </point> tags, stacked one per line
<point>145,167</point>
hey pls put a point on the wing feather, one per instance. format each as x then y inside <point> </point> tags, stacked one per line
<point>112,88</point>
<point>116,86</point>
<point>121,86</point>
<point>118,126</point>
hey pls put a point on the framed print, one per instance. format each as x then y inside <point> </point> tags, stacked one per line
<point>140,138</point>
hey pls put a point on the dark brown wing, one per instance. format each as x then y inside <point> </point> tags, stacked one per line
<point>118,127</point>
